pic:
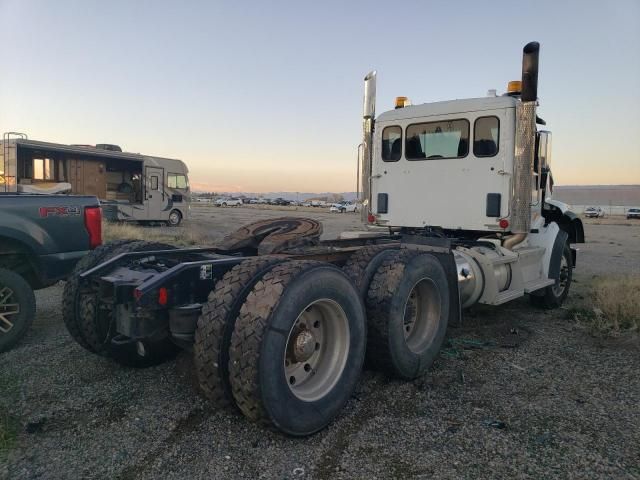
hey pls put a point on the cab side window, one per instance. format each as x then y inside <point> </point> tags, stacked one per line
<point>391,144</point>
<point>486,136</point>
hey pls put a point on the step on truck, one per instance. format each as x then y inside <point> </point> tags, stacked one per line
<point>457,207</point>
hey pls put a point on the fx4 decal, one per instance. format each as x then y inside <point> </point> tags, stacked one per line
<point>59,211</point>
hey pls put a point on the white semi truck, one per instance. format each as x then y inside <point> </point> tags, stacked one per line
<point>457,200</point>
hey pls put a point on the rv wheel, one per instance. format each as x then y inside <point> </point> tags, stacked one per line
<point>175,217</point>
<point>408,311</point>
<point>298,346</point>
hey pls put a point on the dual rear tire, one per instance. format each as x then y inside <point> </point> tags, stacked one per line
<point>93,326</point>
<point>284,341</point>
<point>287,347</point>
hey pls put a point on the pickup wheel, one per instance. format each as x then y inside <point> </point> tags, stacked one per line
<point>71,293</point>
<point>216,324</point>
<point>362,265</point>
<point>17,308</point>
<point>554,295</point>
<point>408,310</point>
<point>97,328</point>
<point>298,346</point>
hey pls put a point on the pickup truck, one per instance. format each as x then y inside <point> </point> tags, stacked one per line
<point>42,237</point>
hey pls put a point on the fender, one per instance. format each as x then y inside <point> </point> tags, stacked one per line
<point>568,221</point>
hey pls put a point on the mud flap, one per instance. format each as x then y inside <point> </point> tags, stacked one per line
<point>556,254</point>
<point>441,249</point>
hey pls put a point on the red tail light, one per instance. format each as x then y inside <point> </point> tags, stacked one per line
<point>163,296</point>
<point>93,224</point>
<point>504,223</point>
<point>371,218</point>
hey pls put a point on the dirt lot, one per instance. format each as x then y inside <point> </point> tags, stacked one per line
<point>516,393</point>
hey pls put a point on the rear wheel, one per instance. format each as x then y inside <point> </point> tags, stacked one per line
<point>71,293</point>
<point>216,324</point>
<point>97,326</point>
<point>408,311</point>
<point>17,308</point>
<point>362,265</point>
<point>554,295</point>
<point>298,347</point>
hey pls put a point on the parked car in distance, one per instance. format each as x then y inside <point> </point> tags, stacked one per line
<point>343,207</point>
<point>280,201</point>
<point>593,212</point>
<point>633,213</point>
<point>228,202</point>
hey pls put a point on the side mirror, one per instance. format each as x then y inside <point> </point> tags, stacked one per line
<point>544,149</point>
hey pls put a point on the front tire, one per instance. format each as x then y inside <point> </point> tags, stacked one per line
<point>17,308</point>
<point>298,347</point>
<point>175,218</point>
<point>554,295</point>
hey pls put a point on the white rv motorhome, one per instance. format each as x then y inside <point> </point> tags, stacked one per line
<point>130,186</point>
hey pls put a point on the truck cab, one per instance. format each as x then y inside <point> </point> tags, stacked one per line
<point>445,164</point>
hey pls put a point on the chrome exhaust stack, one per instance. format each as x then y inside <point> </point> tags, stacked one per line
<point>368,117</point>
<point>524,148</point>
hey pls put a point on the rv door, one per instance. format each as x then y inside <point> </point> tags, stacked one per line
<point>154,193</point>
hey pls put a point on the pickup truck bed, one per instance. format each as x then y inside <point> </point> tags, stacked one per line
<point>42,237</point>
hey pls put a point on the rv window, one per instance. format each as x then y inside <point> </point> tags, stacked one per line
<point>43,169</point>
<point>154,182</point>
<point>391,144</point>
<point>175,180</point>
<point>486,136</point>
<point>434,140</point>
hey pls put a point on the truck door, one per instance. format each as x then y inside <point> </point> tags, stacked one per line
<point>154,193</point>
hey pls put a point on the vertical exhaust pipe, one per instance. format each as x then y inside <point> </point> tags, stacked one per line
<point>524,147</point>
<point>530,54</point>
<point>368,117</point>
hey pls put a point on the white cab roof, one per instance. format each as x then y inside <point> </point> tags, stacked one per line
<point>448,107</point>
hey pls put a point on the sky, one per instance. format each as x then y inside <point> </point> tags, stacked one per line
<point>267,96</point>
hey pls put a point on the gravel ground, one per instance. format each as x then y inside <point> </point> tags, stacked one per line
<point>516,392</point>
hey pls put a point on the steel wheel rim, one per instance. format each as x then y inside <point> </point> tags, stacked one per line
<point>421,315</point>
<point>173,218</point>
<point>560,286</point>
<point>317,349</point>
<point>7,309</point>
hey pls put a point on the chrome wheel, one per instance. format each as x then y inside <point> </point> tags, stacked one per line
<point>8,309</point>
<point>421,315</point>
<point>561,284</point>
<point>317,350</point>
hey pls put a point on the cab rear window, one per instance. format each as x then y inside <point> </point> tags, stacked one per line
<point>436,140</point>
